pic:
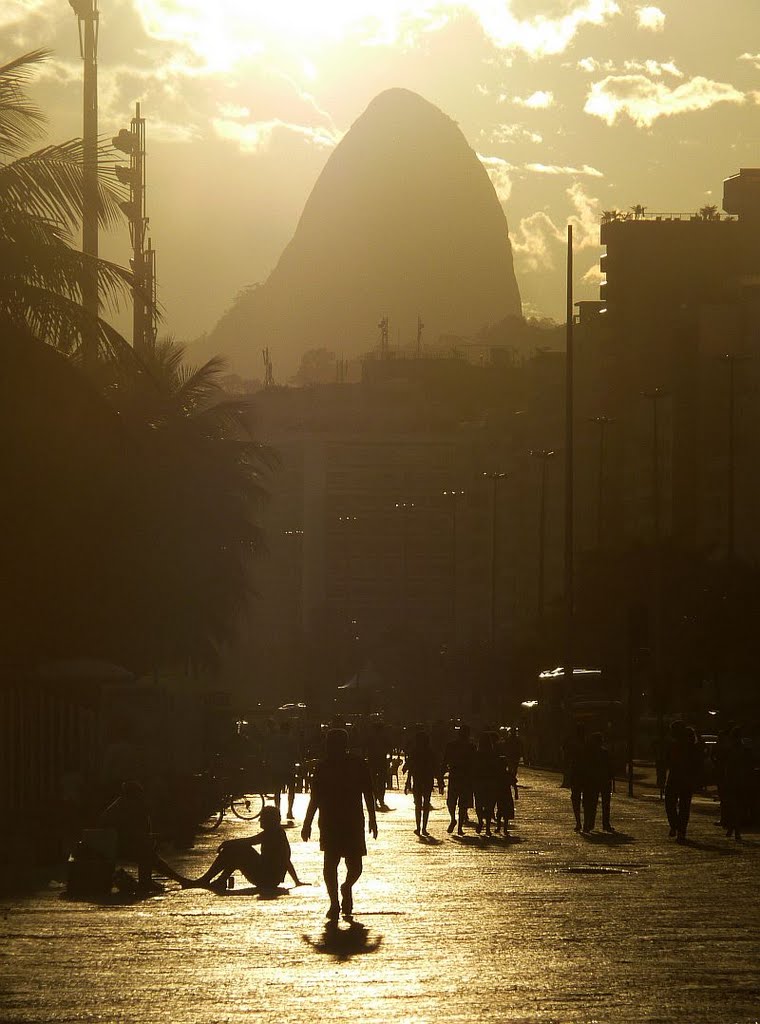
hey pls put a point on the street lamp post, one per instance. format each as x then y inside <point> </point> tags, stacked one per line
<point>730,359</point>
<point>543,455</point>
<point>405,507</point>
<point>453,497</point>
<point>495,479</point>
<point>602,422</point>
<point>654,397</point>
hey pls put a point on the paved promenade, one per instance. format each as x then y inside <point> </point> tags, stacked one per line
<point>548,926</point>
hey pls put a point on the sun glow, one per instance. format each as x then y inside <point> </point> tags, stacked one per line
<point>224,33</point>
<point>229,32</point>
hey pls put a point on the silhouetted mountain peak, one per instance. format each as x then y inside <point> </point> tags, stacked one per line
<point>402,221</point>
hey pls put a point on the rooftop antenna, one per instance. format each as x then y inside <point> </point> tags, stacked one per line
<point>268,374</point>
<point>383,325</point>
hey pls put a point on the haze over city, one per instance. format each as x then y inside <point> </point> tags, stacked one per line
<point>379,503</point>
<point>574,107</point>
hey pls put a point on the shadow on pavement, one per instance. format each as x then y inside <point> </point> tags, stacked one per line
<point>343,943</point>
<point>607,838</point>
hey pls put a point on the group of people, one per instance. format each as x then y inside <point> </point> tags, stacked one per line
<point>344,786</point>
<point>684,767</point>
<point>590,778</point>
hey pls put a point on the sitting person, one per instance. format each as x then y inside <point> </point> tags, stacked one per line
<point>265,870</point>
<point>129,816</point>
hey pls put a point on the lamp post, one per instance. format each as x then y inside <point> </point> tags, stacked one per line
<point>602,422</point>
<point>89,21</point>
<point>654,397</point>
<point>730,359</point>
<point>543,455</point>
<point>495,479</point>
<point>404,507</point>
<point>453,498</point>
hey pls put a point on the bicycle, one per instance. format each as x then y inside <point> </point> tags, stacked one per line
<point>215,797</point>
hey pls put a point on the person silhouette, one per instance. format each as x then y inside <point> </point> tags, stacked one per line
<point>421,768</point>
<point>340,783</point>
<point>458,759</point>
<point>683,778</point>
<point>267,869</point>
<point>485,777</point>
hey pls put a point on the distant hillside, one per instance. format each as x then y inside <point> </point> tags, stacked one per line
<point>402,221</point>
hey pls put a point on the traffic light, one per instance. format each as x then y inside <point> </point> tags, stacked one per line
<point>126,141</point>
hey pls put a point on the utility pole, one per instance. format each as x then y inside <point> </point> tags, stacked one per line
<point>543,455</point>
<point>453,497</point>
<point>569,469</point>
<point>495,478</point>
<point>602,422</point>
<point>88,18</point>
<point>655,396</point>
<point>730,358</point>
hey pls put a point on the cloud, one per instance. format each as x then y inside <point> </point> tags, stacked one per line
<point>536,101</point>
<point>256,136</point>
<point>594,275</point>
<point>223,38</point>
<point>753,58</point>
<point>651,18</point>
<point>499,173</point>
<point>586,170</point>
<point>539,36</point>
<point>644,100</point>
<point>538,240</point>
<point>654,68</point>
<point>513,133</point>
<point>13,12</point>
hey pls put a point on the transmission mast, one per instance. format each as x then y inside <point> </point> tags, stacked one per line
<point>132,142</point>
<point>420,328</point>
<point>268,371</point>
<point>89,21</point>
<point>383,325</point>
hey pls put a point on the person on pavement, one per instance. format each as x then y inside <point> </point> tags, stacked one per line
<point>684,771</point>
<point>421,768</point>
<point>597,777</point>
<point>576,756</point>
<point>458,760</point>
<point>485,779</point>
<point>378,749</point>
<point>737,785</point>
<point>340,783</point>
<point>266,870</point>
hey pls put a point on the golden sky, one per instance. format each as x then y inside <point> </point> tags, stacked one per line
<point>574,107</point>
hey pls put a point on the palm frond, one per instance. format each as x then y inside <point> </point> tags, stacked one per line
<point>58,320</point>
<point>49,184</point>
<point>197,385</point>
<point>36,251</point>
<point>21,121</point>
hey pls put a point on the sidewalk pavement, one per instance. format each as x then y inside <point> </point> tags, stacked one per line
<point>547,926</point>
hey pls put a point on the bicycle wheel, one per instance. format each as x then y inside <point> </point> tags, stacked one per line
<point>212,820</point>
<point>248,806</point>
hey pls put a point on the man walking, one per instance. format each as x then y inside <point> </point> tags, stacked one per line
<point>341,782</point>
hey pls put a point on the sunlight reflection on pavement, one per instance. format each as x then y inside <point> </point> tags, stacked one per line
<point>545,926</point>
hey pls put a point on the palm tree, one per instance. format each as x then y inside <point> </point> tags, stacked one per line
<point>203,475</point>
<point>709,213</point>
<point>41,198</point>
